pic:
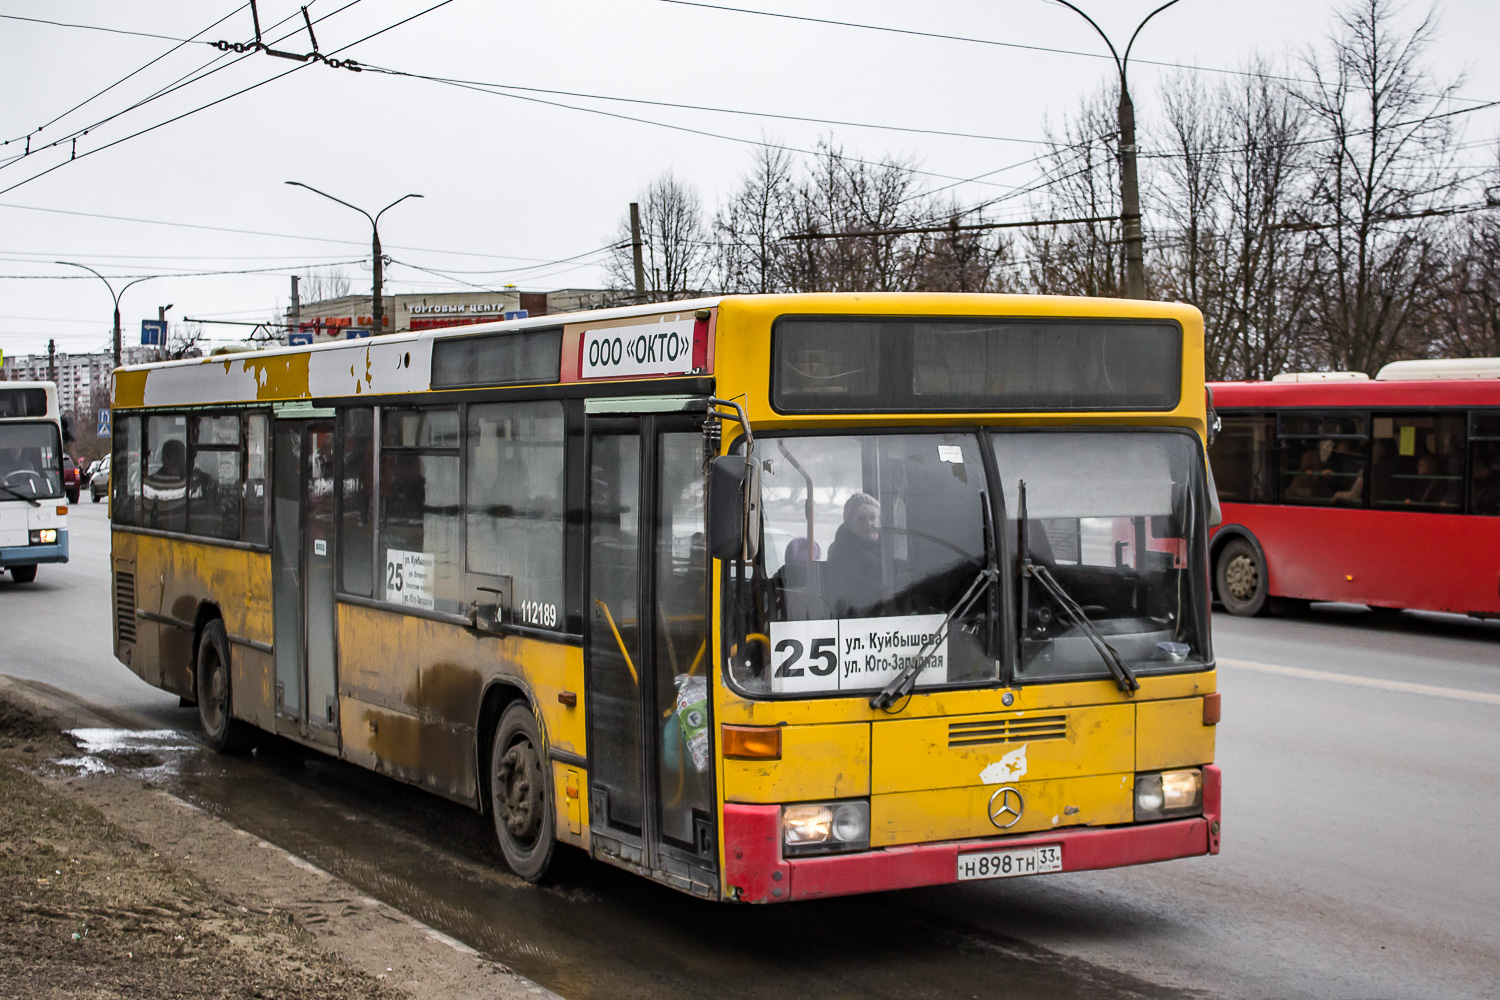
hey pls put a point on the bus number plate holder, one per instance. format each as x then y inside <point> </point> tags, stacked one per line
<point>1010,863</point>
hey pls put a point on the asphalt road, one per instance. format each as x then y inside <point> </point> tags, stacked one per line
<point>1361,816</point>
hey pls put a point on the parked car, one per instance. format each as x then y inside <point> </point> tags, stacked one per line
<point>85,475</point>
<point>99,481</point>
<point>70,478</point>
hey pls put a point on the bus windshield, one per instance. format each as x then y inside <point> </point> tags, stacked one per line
<point>30,461</point>
<point>870,540</point>
<point>1115,520</point>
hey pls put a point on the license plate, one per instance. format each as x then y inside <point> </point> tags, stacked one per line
<point>1008,864</point>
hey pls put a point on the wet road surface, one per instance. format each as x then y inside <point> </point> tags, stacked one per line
<point>1359,853</point>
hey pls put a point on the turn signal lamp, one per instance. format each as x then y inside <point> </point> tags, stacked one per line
<point>752,742</point>
<point>62,508</point>
<point>1166,794</point>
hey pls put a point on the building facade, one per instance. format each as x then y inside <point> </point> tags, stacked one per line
<point>81,378</point>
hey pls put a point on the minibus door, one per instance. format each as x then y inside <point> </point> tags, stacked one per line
<point>302,562</point>
<point>651,794</point>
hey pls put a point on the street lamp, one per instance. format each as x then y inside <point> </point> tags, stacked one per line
<point>377,301</point>
<point>113,294</point>
<point>1130,193</point>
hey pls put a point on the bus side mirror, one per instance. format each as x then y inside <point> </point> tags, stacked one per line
<point>733,508</point>
<point>67,429</point>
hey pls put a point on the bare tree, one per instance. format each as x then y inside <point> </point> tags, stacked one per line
<point>1379,180</point>
<point>748,230</point>
<point>674,243</point>
<point>185,341</point>
<point>1466,323</point>
<point>320,286</point>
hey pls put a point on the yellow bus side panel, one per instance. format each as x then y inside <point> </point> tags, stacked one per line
<point>817,762</point>
<point>571,803</point>
<point>1172,734</point>
<point>960,813</point>
<point>174,577</point>
<point>913,754</point>
<point>419,682</point>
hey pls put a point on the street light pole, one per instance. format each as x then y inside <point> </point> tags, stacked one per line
<point>377,262</point>
<point>1130,193</point>
<point>113,294</point>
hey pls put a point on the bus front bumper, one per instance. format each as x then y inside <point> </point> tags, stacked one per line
<point>31,555</point>
<point>757,873</point>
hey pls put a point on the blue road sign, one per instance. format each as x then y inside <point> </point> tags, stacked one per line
<point>153,332</point>
<point>296,338</point>
<point>352,333</point>
<point>516,314</point>
<point>103,430</point>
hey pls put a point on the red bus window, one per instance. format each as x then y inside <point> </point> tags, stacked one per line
<point>1417,461</point>
<point>1244,468</point>
<point>1484,464</point>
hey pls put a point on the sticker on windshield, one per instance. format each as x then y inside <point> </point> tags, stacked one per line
<point>951,453</point>
<point>408,578</point>
<point>855,654</point>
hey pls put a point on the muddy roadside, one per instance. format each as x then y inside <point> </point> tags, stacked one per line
<point>110,887</point>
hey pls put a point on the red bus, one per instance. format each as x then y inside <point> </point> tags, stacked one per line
<point>1383,492</point>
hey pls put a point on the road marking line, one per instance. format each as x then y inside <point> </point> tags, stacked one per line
<point>1406,687</point>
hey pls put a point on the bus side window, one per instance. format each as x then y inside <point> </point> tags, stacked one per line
<point>357,500</point>
<point>253,506</point>
<point>125,472</point>
<point>515,504</point>
<point>1484,464</point>
<point>421,530</point>
<point>1241,457</point>
<point>1417,461</point>
<point>164,486</point>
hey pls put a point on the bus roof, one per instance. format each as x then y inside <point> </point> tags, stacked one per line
<point>1432,392</point>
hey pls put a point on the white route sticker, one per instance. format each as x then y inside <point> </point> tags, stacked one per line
<point>641,349</point>
<point>854,654</point>
<point>951,453</point>
<point>408,578</point>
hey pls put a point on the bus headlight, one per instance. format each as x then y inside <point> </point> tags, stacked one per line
<point>822,828</point>
<point>1168,793</point>
<point>44,536</point>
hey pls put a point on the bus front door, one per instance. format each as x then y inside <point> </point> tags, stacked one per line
<point>302,581</point>
<point>650,747</point>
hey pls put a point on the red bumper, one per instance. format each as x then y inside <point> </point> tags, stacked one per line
<point>755,869</point>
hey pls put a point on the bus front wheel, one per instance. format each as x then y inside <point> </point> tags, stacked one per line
<point>1240,576</point>
<point>221,730</point>
<point>520,802</point>
<point>23,574</point>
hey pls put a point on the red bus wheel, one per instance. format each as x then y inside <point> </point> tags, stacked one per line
<point>1240,576</point>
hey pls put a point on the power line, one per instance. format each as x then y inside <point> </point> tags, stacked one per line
<point>95,27</point>
<point>284,269</point>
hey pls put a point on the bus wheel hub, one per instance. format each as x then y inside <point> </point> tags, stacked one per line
<point>521,788</point>
<point>1241,577</point>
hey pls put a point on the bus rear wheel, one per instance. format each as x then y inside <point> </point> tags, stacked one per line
<point>221,730</point>
<point>23,574</point>
<point>520,802</point>
<point>1240,578</point>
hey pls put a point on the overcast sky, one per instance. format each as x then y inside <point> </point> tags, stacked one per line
<point>513,185</point>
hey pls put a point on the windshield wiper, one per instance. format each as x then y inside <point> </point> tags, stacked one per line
<point>901,685</point>
<point>21,496</point>
<point>1124,676</point>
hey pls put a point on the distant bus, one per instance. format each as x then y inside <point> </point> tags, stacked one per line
<point>1382,492</point>
<point>33,509</point>
<point>765,598</point>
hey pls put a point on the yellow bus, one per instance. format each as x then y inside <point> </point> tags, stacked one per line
<point>763,597</point>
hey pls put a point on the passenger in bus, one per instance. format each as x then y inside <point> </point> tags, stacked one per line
<point>1306,484</point>
<point>853,577</point>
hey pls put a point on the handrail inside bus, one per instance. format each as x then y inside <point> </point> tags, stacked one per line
<point>621,640</point>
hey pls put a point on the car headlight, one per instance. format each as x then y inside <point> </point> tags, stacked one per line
<point>825,827</point>
<point>44,536</point>
<point>1169,793</point>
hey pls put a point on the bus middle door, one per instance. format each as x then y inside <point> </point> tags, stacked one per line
<point>650,746</point>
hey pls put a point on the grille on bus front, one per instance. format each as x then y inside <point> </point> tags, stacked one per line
<point>125,606</point>
<point>1014,730</point>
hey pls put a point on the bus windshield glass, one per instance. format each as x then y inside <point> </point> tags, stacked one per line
<point>30,461</point>
<point>1115,519</point>
<point>868,541</point>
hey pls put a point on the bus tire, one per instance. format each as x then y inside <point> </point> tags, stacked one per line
<point>23,574</point>
<point>1240,578</point>
<point>221,730</point>
<point>520,799</point>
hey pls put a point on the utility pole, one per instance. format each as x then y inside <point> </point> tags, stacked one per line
<point>51,361</point>
<point>161,317</point>
<point>377,303</point>
<point>635,249</point>
<point>1130,193</point>
<point>295,320</point>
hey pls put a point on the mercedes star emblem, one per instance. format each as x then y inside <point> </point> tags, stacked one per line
<point>1005,807</point>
